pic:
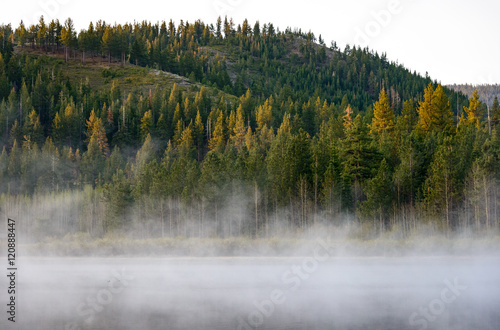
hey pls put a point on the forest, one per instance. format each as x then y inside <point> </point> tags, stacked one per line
<point>231,130</point>
<point>488,92</point>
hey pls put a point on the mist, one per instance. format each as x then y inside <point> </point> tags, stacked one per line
<point>320,291</point>
<point>337,274</point>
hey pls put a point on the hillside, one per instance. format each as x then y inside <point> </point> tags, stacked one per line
<point>203,130</point>
<point>487,93</point>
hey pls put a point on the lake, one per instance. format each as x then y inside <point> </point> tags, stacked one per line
<point>313,292</point>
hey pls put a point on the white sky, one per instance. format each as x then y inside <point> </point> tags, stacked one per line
<point>455,41</point>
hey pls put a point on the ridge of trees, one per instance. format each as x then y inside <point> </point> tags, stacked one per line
<point>395,152</point>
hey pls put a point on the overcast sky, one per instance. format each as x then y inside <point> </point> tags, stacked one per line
<point>455,41</point>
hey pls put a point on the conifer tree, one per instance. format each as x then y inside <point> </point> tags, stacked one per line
<point>495,113</point>
<point>68,36</point>
<point>92,162</point>
<point>146,124</point>
<point>239,130</point>
<point>383,115</point>
<point>442,117</point>
<point>425,110</point>
<point>264,114</point>
<point>218,135</point>
<point>473,111</point>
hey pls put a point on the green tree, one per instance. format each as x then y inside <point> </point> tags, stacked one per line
<point>439,187</point>
<point>118,197</point>
<point>68,36</point>
<point>442,117</point>
<point>92,162</point>
<point>33,129</point>
<point>495,113</point>
<point>146,124</point>
<point>408,119</point>
<point>360,158</point>
<point>107,41</point>
<point>379,196</point>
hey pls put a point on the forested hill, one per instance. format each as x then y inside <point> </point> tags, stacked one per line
<point>487,92</point>
<point>233,58</point>
<point>168,123</point>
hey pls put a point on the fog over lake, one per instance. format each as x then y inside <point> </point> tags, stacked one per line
<point>315,292</point>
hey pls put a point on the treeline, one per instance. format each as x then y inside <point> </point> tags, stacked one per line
<point>488,93</point>
<point>234,58</point>
<point>233,178</point>
<point>175,161</point>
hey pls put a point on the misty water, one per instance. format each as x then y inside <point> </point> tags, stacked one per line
<point>261,292</point>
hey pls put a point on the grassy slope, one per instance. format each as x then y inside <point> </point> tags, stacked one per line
<point>128,78</point>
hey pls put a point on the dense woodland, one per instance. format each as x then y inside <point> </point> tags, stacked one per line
<point>296,133</point>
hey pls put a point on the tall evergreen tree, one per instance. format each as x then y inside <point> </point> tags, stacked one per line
<point>383,115</point>
<point>473,111</point>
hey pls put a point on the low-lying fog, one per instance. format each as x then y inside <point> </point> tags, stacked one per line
<point>316,292</point>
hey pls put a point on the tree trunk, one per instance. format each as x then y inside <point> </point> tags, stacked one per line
<point>256,208</point>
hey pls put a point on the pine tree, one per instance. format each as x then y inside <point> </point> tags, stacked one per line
<point>33,128</point>
<point>96,129</point>
<point>42,33</point>
<point>92,162</point>
<point>408,119</point>
<point>379,196</point>
<point>186,142</point>
<point>114,163</point>
<point>347,118</point>
<point>218,135</point>
<point>383,115</point>
<point>163,128</point>
<point>265,113</point>
<point>439,187</point>
<point>58,132</point>
<point>145,155</point>
<point>495,113</point>
<point>199,131</point>
<point>146,125</point>
<point>118,197</point>
<point>239,130</point>
<point>425,110</point>
<point>68,36</point>
<point>442,117</point>
<point>358,153</point>
<point>434,111</point>
<point>473,111</point>
<point>16,133</point>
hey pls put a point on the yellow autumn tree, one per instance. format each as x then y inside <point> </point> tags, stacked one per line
<point>265,114</point>
<point>383,115</point>
<point>96,130</point>
<point>347,118</point>
<point>434,111</point>
<point>425,110</point>
<point>473,111</point>
<point>146,124</point>
<point>218,133</point>
<point>239,131</point>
